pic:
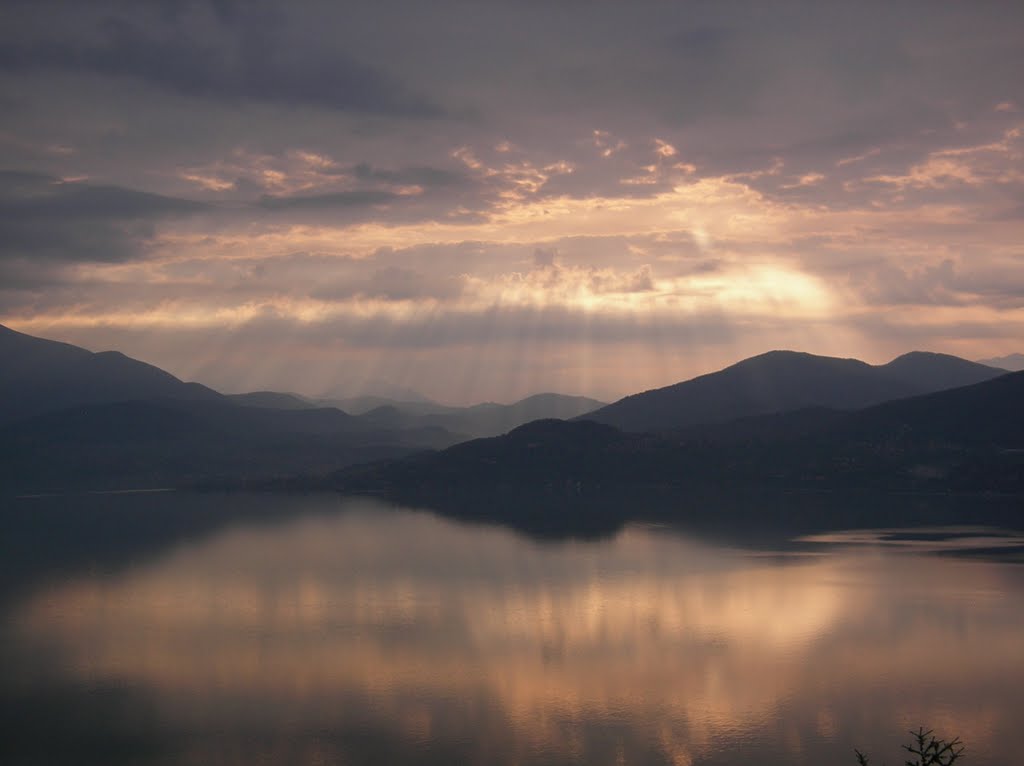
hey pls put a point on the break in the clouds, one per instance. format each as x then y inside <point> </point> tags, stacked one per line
<point>483,200</point>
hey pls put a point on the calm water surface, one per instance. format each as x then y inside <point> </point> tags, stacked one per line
<point>350,632</point>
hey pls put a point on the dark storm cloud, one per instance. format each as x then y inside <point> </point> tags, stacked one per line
<point>734,86</point>
<point>31,286</point>
<point>43,217</point>
<point>35,195</point>
<point>244,60</point>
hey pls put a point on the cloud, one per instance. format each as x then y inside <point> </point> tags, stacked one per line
<point>781,170</point>
<point>551,283</point>
<point>419,176</point>
<point>250,65</point>
<point>544,256</point>
<point>328,201</point>
<point>700,41</point>
<point>928,286</point>
<point>391,283</point>
<point>37,196</point>
<point>46,218</point>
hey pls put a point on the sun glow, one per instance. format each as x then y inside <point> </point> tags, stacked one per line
<point>705,260</point>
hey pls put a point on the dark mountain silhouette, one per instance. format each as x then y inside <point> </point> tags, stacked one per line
<point>73,418</point>
<point>787,380</point>
<point>969,438</point>
<point>273,400</point>
<point>988,414</point>
<point>778,427</point>
<point>542,406</point>
<point>70,418</point>
<point>360,405</point>
<point>38,375</point>
<point>488,419</point>
<point>1012,362</point>
<point>927,371</point>
<point>379,393</point>
<point>174,442</point>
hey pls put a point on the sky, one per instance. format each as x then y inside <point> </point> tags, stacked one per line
<point>483,200</point>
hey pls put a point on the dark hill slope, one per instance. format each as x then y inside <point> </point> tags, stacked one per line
<point>174,442</point>
<point>273,400</point>
<point>1012,362</point>
<point>72,419</point>
<point>487,419</point>
<point>38,375</point>
<point>968,438</point>
<point>535,449</point>
<point>780,381</point>
<point>927,371</point>
<point>772,382</point>
<point>988,414</point>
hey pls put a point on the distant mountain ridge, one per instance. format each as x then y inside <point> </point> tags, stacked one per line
<point>71,418</point>
<point>1011,362</point>
<point>780,381</point>
<point>273,400</point>
<point>164,442</point>
<point>485,419</point>
<point>39,375</point>
<point>965,439</point>
<point>488,419</point>
<point>360,405</point>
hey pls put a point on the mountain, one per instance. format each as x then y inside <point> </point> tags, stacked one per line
<point>928,371</point>
<point>272,400</point>
<point>969,438</point>
<point>779,381</point>
<point>1012,362</point>
<point>38,375</point>
<point>374,393</point>
<point>544,406</point>
<point>175,442</point>
<point>532,455</point>
<point>984,415</point>
<point>360,405</point>
<point>70,418</point>
<point>488,419</point>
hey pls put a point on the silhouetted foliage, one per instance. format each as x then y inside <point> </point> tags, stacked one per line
<point>928,750</point>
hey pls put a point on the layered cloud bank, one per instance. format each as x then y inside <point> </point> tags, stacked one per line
<point>481,201</point>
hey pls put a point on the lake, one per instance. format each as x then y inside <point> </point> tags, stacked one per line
<point>312,629</point>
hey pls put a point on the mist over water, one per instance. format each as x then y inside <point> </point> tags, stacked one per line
<point>308,629</point>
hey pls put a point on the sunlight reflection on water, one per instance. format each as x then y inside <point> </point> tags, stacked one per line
<point>382,635</point>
